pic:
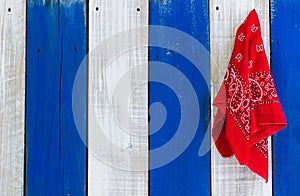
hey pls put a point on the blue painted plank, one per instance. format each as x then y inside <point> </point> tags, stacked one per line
<point>179,98</point>
<point>285,31</point>
<point>56,45</point>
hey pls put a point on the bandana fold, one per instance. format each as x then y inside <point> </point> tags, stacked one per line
<point>249,110</point>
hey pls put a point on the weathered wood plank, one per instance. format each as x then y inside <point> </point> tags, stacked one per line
<point>118,98</point>
<point>228,177</point>
<point>179,85</point>
<point>56,45</point>
<point>285,42</point>
<point>12,96</point>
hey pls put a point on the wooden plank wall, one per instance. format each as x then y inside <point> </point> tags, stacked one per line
<point>56,158</point>
<point>228,177</point>
<point>12,96</point>
<point>285,31</point>
<point>118,97</point>
<point>56,45</point>
<point>174,92</point>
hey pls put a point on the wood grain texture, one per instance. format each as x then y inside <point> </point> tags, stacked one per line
<point>12,96</point>
<point>285,42</point>
<point>56,45</point>
<point>183,94</point>
<point>118,98</point>
<point>228,177</point>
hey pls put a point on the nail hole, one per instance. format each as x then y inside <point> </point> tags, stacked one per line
<point>97,8</point>
<point>217,8</point>
<point>138,9</point>
<point>38,50</point>
<point>9,9</point>
<point>156,57</point>
<point>75,48</point>
<point>277,42</point>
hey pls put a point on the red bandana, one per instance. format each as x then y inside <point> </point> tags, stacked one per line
<point>248,106</point>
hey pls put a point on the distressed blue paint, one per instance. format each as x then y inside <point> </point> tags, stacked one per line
<point>188,174</point>
<point>55,154</point>
<point>285,41</point>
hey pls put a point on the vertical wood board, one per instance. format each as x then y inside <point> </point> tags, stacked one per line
<point>179,97</point>
<point>12,96</point>
<point>285,42</point>
<point>228,177</point>
<point>56,45</point>
<point>118,98</point>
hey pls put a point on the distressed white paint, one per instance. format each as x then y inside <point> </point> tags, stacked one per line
<point>110,104</point>
<point>228,177</point>
<point>12,96</point>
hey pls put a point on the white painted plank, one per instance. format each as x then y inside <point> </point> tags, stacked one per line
<point>228,177</point>
<point>118,98</point>
<point>12,96</point>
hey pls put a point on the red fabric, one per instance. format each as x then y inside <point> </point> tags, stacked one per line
<point>248,106</point>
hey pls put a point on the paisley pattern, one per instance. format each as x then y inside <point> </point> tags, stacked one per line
<point>262,146</point>
<point>262,88</point>
<point>253,111</point>
<point>240,100</point>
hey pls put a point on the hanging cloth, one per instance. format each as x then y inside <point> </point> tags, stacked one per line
<point>249,110</point>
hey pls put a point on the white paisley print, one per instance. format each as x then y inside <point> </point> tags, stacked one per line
<point>243,97</point>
